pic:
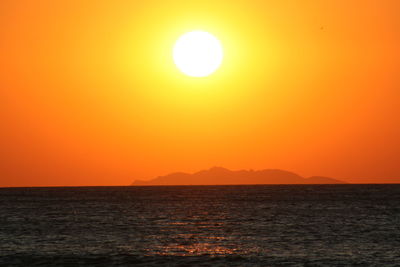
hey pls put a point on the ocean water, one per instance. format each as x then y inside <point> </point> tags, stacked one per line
<point>288,225</point>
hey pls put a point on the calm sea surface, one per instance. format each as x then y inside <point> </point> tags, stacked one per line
<point>329,225</point>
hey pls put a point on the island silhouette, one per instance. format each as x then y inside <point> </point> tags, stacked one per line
<point>223,176</point>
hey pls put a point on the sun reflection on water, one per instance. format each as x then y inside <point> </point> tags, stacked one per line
<point>195,237</point>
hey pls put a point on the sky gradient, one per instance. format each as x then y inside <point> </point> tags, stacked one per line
<point>89,93</point>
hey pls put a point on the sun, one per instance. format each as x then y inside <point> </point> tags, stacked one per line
<point>198,54</point>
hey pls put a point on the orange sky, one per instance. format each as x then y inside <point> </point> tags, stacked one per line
<point>89,94</point>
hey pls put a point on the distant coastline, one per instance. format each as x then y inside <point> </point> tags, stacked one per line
<point>223,176</point>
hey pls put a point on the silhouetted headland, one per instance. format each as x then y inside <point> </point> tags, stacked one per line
<point>222,176</point>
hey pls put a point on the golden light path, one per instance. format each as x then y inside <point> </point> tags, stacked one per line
<point>198,53</point>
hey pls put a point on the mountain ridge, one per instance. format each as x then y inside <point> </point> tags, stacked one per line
<point>223,176</point>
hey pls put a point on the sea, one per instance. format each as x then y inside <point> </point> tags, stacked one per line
<point>264,225</point>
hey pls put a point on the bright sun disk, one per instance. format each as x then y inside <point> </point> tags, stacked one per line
<point>198,53</point>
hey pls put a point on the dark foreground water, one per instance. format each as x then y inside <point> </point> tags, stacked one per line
<point>356,225</point>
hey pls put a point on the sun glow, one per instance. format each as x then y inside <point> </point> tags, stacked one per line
<point>198,54</point>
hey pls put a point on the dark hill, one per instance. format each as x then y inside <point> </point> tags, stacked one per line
<point>222,176</point>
